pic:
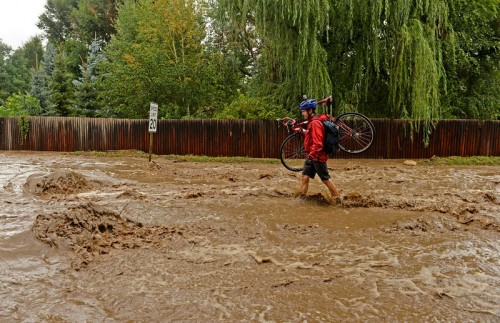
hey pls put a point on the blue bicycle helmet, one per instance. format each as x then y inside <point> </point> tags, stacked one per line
<point>308,104</point>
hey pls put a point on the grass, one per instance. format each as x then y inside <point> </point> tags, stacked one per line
<point>186,158</point>
<point>465,161</point>
<point>449,161</point>
<point>208,159</point>
<point>115,153</point>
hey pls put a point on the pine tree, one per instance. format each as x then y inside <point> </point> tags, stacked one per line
<point>41,76</point>
<point>86,98</point>
<point>61,90</point>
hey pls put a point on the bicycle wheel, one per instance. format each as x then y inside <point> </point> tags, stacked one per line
<point>292,153</point>
<point>356,132</point>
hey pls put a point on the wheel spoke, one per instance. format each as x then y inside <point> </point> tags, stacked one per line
<point>292,153</point>
<point>357,132</point>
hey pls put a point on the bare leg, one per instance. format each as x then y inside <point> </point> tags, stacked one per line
<point>304,184</point>
<point>331,187</point>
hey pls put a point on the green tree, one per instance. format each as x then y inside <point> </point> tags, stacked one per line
<point>4,55</point>
<point>237,40</point>
<point>158,57</point>
<point>473,66</point>
<point>385,57</point>
<point>14,74</point>
<point>33,52</point>
<point>61,91</point>
<point>59,22</point>
<point>293,60</point>
<point>20,105</point>
<point>76,53</point>
<point>94,19</point>
<point>41,78</point>
<point>86,98</point>
<point>16,66</point>
<point>244,107</point>
<point>56,20</point>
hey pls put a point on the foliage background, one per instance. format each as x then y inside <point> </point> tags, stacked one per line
<point>421,60</point>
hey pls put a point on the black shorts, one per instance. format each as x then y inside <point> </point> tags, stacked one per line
<point>311,168</point>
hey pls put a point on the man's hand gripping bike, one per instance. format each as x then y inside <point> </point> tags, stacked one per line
<point>356,135</point>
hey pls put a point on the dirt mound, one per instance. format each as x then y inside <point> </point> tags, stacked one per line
<point>131,194</point>
<point>90,230</point>
<point>354,199</point>
<point>58,182</point>
<point>465,213</point>
<point>421,225</point>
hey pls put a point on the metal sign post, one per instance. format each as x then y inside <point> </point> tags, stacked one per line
<point>153,123</point>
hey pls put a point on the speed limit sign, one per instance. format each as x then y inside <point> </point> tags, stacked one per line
<point>153,117</point>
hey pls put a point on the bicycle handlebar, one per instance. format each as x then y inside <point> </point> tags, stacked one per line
<point>287,121</point>
<point>328,100</point>
<point>292,124</point>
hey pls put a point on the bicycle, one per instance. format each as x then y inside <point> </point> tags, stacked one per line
<point>356,135</point>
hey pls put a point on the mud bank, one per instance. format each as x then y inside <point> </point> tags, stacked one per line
<point>95,238</point>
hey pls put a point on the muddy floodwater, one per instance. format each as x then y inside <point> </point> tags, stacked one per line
<point>102,239</point>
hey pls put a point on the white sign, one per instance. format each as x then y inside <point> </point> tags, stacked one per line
<point>153,117</point>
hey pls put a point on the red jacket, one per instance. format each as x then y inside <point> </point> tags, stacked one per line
<point>313,142</point>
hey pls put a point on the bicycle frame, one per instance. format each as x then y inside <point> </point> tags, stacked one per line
<point>293,126</point>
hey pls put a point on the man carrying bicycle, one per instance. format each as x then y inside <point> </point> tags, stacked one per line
<point>315,162</point>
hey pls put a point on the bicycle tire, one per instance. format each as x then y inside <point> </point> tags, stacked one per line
<point>292,153</point>
<point>356,132</point>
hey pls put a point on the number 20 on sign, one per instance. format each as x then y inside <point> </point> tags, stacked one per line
<point>153,117</point>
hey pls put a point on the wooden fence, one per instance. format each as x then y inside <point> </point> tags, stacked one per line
<point>251,138</point>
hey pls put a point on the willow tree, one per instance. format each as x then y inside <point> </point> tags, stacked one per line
<point>395,62</point>
<point>474,73</point>
<point>292,60</point>
<point>357,49</point>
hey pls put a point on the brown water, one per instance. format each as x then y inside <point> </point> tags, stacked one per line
<point>119,239</point>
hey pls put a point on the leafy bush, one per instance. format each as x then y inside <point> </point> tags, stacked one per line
<point>20,105</point>
<point>244,107</point>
